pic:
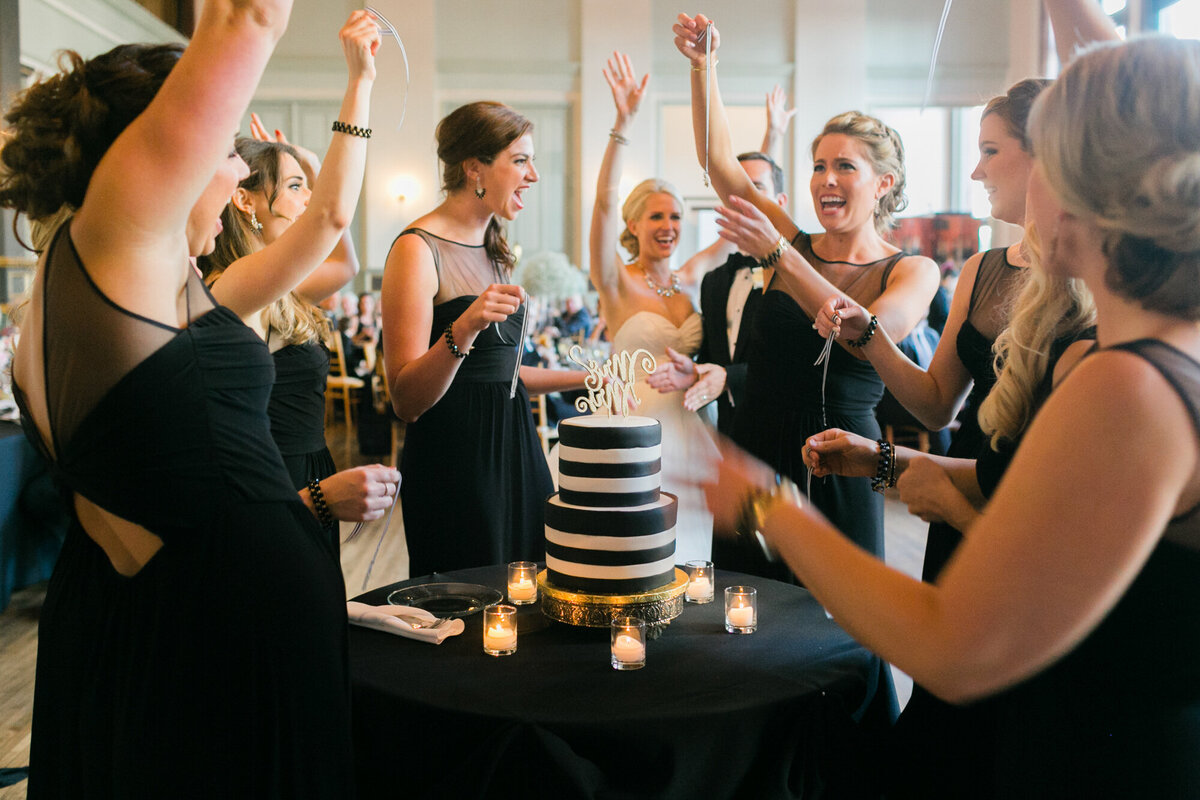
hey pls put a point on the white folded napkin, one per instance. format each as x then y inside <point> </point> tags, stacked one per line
<point>399,620</point>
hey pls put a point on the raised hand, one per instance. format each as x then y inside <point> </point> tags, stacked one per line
<point>360,40</point>
<point>678,372</point>
<point>839,452</point>
<point>778,114</point>
<point>627,91</point>
<point>308,159</point>
<point>690,38</point>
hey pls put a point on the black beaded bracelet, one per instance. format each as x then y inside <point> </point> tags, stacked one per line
<point>449,334</point>
<point>775,254</point>
<point>353,130</point>
<point>324,515</point>
<point>867,334</point>
<point>885,474</point>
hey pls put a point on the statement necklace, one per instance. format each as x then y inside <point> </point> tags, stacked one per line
<point>662,291</point>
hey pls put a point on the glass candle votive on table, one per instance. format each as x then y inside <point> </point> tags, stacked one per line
<point>522,583</point>
<point>741,609</point>
<point>500,630</point>
<point>700,582</point>
<point>628,643</point>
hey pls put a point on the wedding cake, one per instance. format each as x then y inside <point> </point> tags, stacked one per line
<point>610,529</point>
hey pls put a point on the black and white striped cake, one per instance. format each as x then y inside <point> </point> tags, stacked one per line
<point>609,528</point>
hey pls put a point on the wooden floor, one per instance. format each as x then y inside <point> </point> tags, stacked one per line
<point>905,542</point>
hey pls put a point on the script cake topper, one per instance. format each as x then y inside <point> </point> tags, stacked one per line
<point>611,385</point>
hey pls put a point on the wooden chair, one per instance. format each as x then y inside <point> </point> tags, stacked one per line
<point>381,397</point>
<point>546,432</point>
<point>340,385</point>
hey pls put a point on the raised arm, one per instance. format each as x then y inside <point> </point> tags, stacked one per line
<point>151,177</point>
<point>627,92</point>
<point>778,118</point>
<point>255,281</point>
<point>1078,23</point>
<point>726,174</point>
<point>340,267</point>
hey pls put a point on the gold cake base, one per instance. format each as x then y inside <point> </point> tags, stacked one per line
<point>657,607</point>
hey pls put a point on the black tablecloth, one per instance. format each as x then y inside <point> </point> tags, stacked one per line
<point>793,710</point>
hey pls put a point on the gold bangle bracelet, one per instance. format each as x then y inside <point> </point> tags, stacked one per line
<point>705,67</point>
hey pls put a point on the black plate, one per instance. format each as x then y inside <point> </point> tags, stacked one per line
<point>446,599</point>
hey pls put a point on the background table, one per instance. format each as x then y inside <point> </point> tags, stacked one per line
<point>792,710</point>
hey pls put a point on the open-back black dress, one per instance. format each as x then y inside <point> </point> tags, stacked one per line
<point>219,669</point>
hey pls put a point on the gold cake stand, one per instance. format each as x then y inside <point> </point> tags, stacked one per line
<point>657,607</point>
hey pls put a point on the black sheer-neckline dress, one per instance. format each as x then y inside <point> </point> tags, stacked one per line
<point>475,477</point>
<point>220,668</point>
<point>297,413</point>
<point>783,400</point>
<point>1119,716</point>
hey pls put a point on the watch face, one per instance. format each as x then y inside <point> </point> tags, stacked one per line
<point>756,277</point>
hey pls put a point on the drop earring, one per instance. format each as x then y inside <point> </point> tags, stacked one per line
<point>254,223</point>
<point>479,190</point>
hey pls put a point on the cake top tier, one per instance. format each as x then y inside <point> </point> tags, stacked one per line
<point>604,432</point>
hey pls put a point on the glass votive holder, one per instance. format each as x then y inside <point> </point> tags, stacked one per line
<point>500,630</point>
<point>522,583</point>
<point>628,643</point>
<point>700,582</point>
<point>741,609</point>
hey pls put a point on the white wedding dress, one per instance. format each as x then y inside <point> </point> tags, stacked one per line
<point>688,447</point>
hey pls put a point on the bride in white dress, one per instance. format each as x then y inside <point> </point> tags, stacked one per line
<point>643,306</point>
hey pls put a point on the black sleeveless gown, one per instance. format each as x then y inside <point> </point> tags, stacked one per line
<point>475,477</point>
<point>783,402</point>
<point>297,413</point>
<point>220,668</point>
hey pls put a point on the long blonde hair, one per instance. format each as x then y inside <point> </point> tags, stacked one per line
<point>1048,308</point>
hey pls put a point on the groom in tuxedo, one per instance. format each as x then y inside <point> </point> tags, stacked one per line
<point>729,298</point>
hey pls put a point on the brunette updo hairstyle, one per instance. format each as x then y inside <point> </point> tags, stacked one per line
<point>479,130</point>
<point>884,150</point>
<point>57,130</point>
<point>635,204</point>
<point>1014,106</point>
<point>1118,138</point>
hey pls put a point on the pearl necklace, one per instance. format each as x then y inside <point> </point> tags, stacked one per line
<point>662,291</point>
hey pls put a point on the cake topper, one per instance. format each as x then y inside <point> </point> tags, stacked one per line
<point>611,385</point>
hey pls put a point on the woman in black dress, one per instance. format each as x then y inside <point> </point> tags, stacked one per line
<point>1072,601</point>
<point>193,637</point>
<point>282,220</point>
<point>476,477</point>
<point>856,187</point>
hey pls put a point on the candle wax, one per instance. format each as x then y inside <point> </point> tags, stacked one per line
<point>700,588</point>
<point>740,616</point>
<point>628,650</point>
<point>498,637</point>
<point>523,589</point>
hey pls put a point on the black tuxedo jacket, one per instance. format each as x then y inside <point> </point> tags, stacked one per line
<point>714,347</point>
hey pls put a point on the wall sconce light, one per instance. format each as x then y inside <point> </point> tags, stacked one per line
<point>403,187</point>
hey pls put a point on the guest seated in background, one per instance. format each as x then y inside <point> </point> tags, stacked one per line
<point>575,321</point>
<point>643,306</point>
<point>1073,599</point>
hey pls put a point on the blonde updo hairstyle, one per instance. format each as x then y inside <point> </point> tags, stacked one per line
<point>885,152</point>
<point>1118,138</point>
<point>635,205</point>
<point>1047,308</point>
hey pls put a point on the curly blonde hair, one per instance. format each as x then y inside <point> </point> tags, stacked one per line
<point>635,204</point>
<point>1048,308</point>
<point>884,150</point>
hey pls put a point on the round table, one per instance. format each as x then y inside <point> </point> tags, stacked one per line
<point>792,710</point>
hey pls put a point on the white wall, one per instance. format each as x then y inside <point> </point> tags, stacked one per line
<point>89,27</point>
